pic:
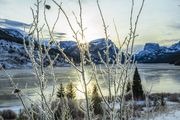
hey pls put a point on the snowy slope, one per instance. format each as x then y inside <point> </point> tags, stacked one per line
<point>13,55</point>
<point>14,35</point>
<point>15,32</point>
<point>173,115</point>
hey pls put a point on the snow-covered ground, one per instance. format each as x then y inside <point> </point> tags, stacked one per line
<point>170,112</point>
<point>172,115</point>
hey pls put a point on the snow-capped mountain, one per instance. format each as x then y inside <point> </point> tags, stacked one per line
<point>99,46</point>
<point>12,51</point>
<point>154,53</point>
<point>13,54</point>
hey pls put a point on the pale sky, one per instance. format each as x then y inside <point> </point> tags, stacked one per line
<point>159,21</point>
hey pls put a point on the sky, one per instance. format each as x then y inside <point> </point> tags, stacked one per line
<point>159,21</point>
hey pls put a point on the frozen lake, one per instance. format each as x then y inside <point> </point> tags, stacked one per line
<point>157,77</point>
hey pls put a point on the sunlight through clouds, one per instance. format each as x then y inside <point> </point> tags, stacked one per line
<point>158,17</point>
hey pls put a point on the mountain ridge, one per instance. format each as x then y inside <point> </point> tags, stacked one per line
<point>13,54</point>
<point>12,44</point>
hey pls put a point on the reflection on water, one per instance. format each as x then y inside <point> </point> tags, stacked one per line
<point>159,77</point>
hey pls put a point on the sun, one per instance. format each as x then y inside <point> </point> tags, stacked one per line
<point>80,91</point>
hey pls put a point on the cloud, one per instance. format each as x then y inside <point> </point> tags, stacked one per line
<point>56,35</point>
<point>59,35</point>
<point>169,41</point>
<point>82,1</point>
<point>3,1</point>
<point>12,23</point>
<point>175,26</point>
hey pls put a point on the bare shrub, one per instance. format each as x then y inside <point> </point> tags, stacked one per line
<point>22,115</point>
<point>9,115</point>
<point>116,72</point>
<point>1,118</point>
<point>173,98</point>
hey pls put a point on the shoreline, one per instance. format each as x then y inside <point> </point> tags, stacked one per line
<point>69,65</point>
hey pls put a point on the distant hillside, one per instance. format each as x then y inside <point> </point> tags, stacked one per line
<point>154,53</point>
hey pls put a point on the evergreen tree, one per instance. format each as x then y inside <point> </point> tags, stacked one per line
<point>137,86</point>
<point>128,88</point>
<point>60,92</point>
<point>70,91</point>
<point>162,100</point>
<point>96,101</point>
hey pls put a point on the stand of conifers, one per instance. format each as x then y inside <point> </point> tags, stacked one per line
<point>117,75</point>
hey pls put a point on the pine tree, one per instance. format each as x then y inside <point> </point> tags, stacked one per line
<point>137,86</point>
<point>70,91</point>
<point>60,92</point>
<point>96,101</point>
<point>128,87</point>
<point>162,100</point>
